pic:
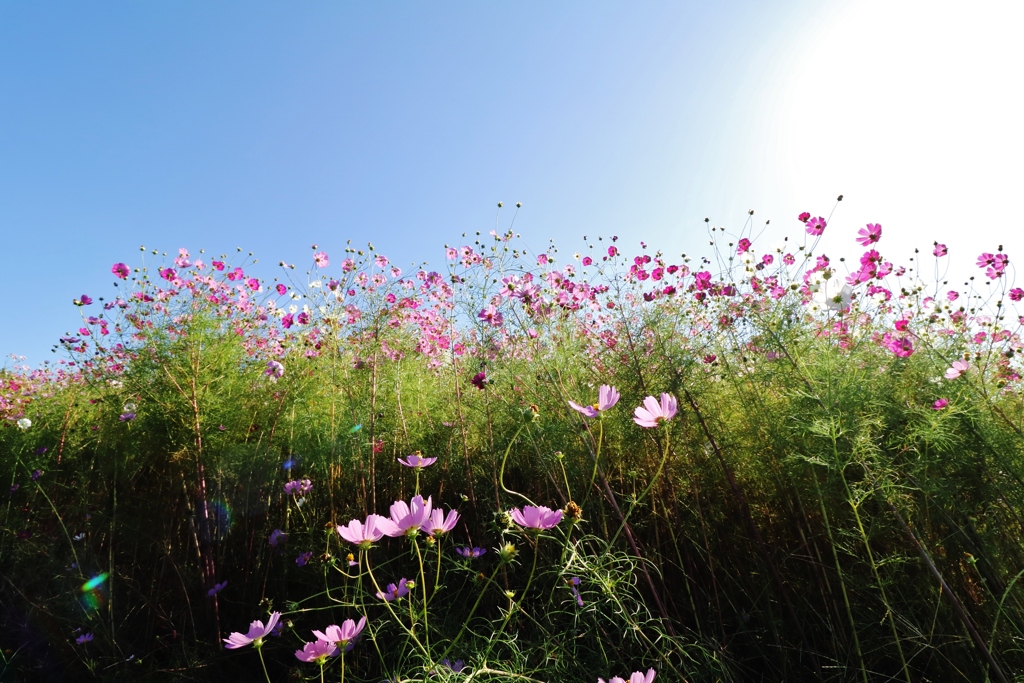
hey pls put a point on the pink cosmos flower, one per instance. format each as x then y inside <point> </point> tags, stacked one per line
<point>343,635</point>
<point>869,235</point>
<point>901,346</point>
<point>959,368</point>
<point>953,295</point>
<point>406,518</point>
<point>416,460</point>
<point>318,651</point>
<point>257,632</point>
<point>939,250</point>
<point>393,592</point>
<point>492,316</point>
<point>743,246</point>
<point>120,270</point>
<point>635,677</point>
<point>538,518</point>
<point>1016,294</point>
<point>804,217</point>
<point>940,404</point>
<point>816,226</point>
<point>607,396</point>
<point>438,524</point>
<point>652,413</point>
<point>587,261</point>
<point>321,260</point>
<point>364,534</point>
<point>168,273</point>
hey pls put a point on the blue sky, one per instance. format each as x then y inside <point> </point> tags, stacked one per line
<point>272,127</point>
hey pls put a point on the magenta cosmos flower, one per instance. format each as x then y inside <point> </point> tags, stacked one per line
<point>120,270</point>
<point>364,534</point>
<point>607,397</point>
<point>815,226</point>
<point>870,234</point>
<point>940,404</point>
<point>343,635</point>
<point>406,518</point>
<point>635,677</point>
<point>318,651</point>
<point>417,461</point>
<point>652,413</point>
<point>438,524</point>
<point>257,632</point>
<point>539,518</point>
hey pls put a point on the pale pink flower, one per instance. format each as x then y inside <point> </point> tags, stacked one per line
<point>406,518</point>
<point>652,413</point>
<point>438,524</point>
<point>539,518</point>
<point>365,534</point>
<point>959,368</point>
<point>635,677</point>
<point>321,260</point>
<point>607,396</point>
<point>317,651</point>
<point>257,632</point>
<point>343,635</point>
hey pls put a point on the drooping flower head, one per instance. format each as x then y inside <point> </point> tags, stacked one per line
<point>652,413</point>
<point>257,632</point>
<point>537,518</point>
<point>607,396</point>
<point>343,635</point>
<point>318,651</point>
<point>417,461</point>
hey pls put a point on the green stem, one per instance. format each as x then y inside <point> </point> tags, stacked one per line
<point>501,475</point>
<point>654,479</point>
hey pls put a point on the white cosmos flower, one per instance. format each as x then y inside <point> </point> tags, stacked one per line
<point>24,423</point>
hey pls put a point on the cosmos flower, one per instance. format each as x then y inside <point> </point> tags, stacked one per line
<point>816,226</point>
<point>318,651</point>
<point>416,460</point>
<point>406,518</point>
<point>470,553</point>
<point>652,413</point>
<point>364,534</point>
<point>393,592</point>
<point>120,270</point>
<point>479,380</point>
<point>635,677</point>
<point>24,423</point>
<point>217,588</point>
<point>869,235</point>
<point>343,635</point>
<point>940,404</point>
<point>607,396</point>
<point>538,518</point>
<point>257,632</point>
<point>437,524</point>
<point>959,368</point>
<point>84,638</point>
<point>303,559</point>
<point>277,537</point>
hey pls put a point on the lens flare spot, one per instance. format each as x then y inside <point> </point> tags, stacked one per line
<point>94,583</point>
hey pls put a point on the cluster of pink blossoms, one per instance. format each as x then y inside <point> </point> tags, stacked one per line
<point>407,519</point>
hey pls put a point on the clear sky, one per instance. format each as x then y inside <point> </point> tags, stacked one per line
<point>274,126</point>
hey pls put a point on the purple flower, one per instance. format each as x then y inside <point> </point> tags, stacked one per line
<point>217,588</point>
<point>652,413</point>
<point>86,299</point>
<point>15,487</point>
<point>479,380</point>
<point>364,534</point>
<point>607,396</point>
<point>40,450</point>
<point>940,404</point>
<point>415,460</point>
<point>317,651</point>
<point>456,667</point>
<point>277,537</point>
<point>437,524</point>
<point>274,370</point>
<point>574,583</point>
<point>257,632</point>
<point>126,417</point>
<point>538,518</point>
<point>298,487</point>
<point>36,474</point>
<point>407,518</point>
<point>393,592</point>
<point>342,635</point>
<point>303,559</point>
<point>120,270</point>
<point>470,553</point>
<point>635,677</point>
<point>84,638</point>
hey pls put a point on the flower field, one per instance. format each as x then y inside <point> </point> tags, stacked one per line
<point>763,464</point>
